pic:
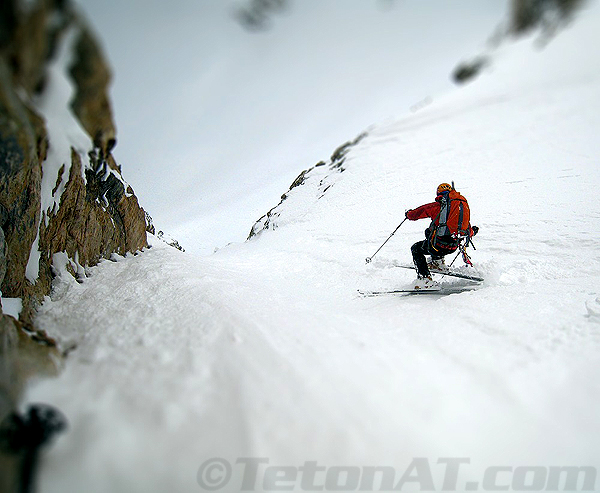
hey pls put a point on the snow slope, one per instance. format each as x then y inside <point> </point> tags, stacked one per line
<point>265,349</point>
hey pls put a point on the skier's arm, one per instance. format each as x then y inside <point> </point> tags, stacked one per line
<point>427,210</point>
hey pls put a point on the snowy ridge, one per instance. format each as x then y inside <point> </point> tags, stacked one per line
<point>319,179</point>
<point>265,349</point>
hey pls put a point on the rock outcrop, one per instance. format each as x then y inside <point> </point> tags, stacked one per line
<point>60,187</point>
<point>548,17</point>
<point>549,14</point>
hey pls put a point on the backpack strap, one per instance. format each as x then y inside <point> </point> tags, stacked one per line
<point>443,215</point>
<point>467,231</point>
<point>441,229</point>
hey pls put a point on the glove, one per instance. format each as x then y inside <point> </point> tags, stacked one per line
<point>407,211</point>
<point>475,230</point>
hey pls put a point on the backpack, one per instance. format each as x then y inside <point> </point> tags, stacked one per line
<point>452,223</point>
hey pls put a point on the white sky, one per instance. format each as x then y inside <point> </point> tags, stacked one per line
<point>215,122</point>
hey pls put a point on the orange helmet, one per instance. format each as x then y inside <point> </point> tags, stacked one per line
<point>443,187</point>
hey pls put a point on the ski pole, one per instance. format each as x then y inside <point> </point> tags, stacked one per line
<point>451,263</point>
<point>368,259</point>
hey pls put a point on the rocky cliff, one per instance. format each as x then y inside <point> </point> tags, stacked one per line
<point>61,190</point>
<point>64,204</point>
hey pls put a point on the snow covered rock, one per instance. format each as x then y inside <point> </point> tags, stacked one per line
<point>320,177</point>
<point>60,188</point>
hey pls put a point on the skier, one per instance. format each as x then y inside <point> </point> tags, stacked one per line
<point>449,216</point>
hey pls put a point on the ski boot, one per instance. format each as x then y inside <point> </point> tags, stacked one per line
<point>426,283</point>
<point>438,264</point>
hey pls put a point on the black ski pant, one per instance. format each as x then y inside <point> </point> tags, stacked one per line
<point>419,250</point>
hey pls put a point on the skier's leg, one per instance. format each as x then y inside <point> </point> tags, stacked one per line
<point>419,250</point>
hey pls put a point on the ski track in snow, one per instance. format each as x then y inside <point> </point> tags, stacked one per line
<point>265,349</point>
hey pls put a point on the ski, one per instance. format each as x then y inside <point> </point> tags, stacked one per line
<point>441,292</point>
<point>445,273</point>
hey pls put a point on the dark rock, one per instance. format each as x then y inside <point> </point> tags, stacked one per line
<point>149,224</point>
<point>468,70</point>
<point>2,257</point>
<point>300,179</point>
<point>169,241</point>
<point>529,14</point>
<point>92,77</point>
<point>339,155</point>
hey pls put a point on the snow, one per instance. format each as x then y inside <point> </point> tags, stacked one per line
<point>266,350</point>
<point>12,306</point>
<point>61,261</point>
